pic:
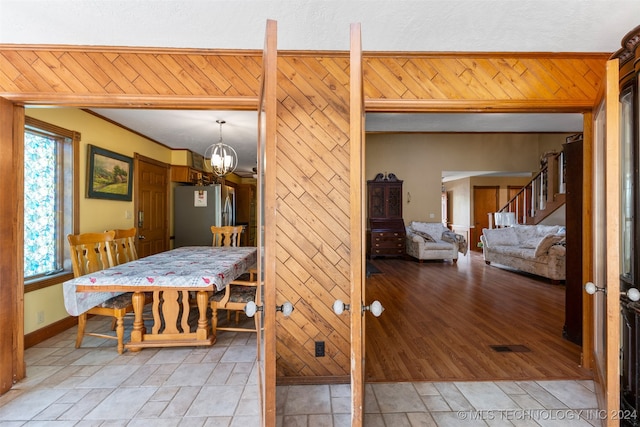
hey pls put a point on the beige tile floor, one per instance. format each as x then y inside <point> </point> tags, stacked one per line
<point>216,386</point>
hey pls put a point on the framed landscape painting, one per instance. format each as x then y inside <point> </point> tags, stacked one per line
<point>109,175</point>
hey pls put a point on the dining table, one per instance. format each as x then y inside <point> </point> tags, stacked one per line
<point>171,276</point>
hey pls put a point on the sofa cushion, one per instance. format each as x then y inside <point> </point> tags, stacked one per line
<point>513,252</point>
<point>546,242</point>
<point>500,237</point>
<point>530,243</point>
<point>438,246</point>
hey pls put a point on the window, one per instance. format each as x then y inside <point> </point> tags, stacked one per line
<point>50,192</point>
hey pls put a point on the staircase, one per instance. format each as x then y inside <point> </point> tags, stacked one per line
<point>542,196</point>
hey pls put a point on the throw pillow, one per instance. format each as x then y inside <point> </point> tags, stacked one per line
<point>449,236</point>
<point>546,242</point>
<point>544,230</point>
<point>426,236</point>
<point>557,250</point>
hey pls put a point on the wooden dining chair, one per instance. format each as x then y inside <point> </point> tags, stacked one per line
<point>125,245</point>
<point>235,297</point>
<point>227,235</point>
<point>124,250</point>
<point>91,252</point>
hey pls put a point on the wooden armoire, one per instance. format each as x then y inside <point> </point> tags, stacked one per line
<point>386,232</point>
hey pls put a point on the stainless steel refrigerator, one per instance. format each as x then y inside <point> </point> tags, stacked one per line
<point>196,209</point>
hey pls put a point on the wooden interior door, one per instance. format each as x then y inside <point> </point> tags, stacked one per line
<point>266,236</point>
<point>485,201</point>
<point>357,227</point>
<point>605,305</point>
<point>151,205</point>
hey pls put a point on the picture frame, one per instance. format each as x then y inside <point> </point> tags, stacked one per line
<point>109,175</point>
<point>197,161</point>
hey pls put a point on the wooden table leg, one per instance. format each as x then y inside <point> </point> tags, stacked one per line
<point>137,332</point>
<point>171,327</point>
<point>202,332</point>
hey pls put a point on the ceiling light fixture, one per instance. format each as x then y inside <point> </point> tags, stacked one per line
<point>222,157</point>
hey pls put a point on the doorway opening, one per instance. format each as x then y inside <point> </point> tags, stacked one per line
<point>436,325</point>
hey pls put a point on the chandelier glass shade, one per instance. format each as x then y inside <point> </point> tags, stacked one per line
<point>222,158</point>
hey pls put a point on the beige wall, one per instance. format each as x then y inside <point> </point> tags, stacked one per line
<point>419,159</point>
<point>95,214</point>
<point>98,214</point>
<point>459,192</point>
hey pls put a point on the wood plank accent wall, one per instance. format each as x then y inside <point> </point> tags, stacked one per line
<point>134,77</point>
<point>313,266</point>
<point>312,156</point>
<point>486,82</point>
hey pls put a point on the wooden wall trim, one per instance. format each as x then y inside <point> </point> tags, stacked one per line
<point>357,221</point>
<point>587,240</point>
<point>598,56</point>
<point>300,53</point>
<point>302,380</point>
<point>51,330</point>
<point>612,256</point>
<point>12,367</point>
<point>267,219</point>
<point>483,106</point>
<point>129,49</point>
<point>133,101</point>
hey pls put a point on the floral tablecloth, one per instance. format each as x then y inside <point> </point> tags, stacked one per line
<point>186,267</point>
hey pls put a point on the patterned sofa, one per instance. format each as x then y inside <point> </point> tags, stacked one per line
<point>432,240</point>
<point>534,249</point>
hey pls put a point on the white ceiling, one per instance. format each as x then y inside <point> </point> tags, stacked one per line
<point>399,25</point>
<point>418,25</point>
<point>194,130</point>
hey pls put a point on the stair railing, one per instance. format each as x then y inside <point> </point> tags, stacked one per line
<point>541,192</point>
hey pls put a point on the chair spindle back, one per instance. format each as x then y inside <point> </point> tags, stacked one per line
<point>228,235</point>
<point>125,245</point>
<point>91,252</point>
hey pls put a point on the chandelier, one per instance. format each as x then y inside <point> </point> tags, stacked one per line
<point>222,157</point>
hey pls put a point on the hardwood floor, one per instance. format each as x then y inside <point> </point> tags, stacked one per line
<point>441,319</point>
